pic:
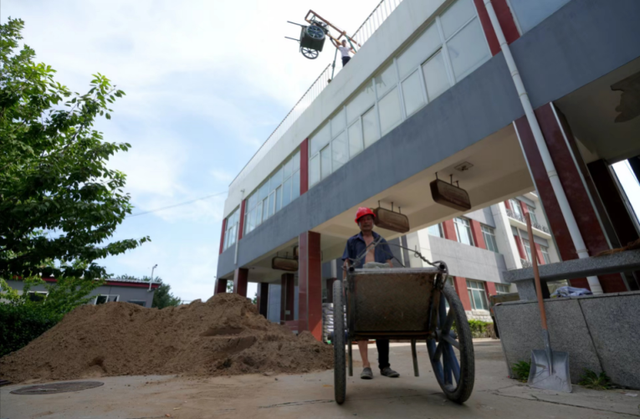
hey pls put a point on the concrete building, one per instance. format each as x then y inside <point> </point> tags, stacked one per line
<point>433,92</point>
<point>122,290</point>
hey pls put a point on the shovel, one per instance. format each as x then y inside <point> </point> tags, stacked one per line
<point>549,369</point>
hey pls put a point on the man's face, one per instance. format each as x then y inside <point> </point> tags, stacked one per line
<point>366,223</point>
<point>344,43</point>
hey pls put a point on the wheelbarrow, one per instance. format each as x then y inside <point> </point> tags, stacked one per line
<point>415,304</point>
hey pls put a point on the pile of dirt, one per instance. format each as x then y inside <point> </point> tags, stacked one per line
<point>224,336</point>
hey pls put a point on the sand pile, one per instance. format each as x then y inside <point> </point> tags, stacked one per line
<point>224,336</point>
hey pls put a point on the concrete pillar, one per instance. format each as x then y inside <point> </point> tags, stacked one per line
<point>287,297</point>
<point>263,298</point>
<point>309,284</point>
<point>240,279</point>
<point>571,172</point>
<point>221,286</point>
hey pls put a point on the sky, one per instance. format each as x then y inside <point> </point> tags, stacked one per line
<point>206,82</point>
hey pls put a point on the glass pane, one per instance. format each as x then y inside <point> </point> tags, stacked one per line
<point>286,192</point>
<point>419,50</point>
<point>314,170</point>
<point>355,139</point>
<point>412,92</point>
<point>278,198</point>
<point>296,161</point>
<point>325,162</point>
<point>340,151</point>
<point>363,100</point>
<point>296,185</point>
<point>390,112</point>
<point>473,306</point>
<point>265,209</point>
<point>468,49</point>
<point>456,16</point>
<point>477,300</point>
<point>319,140</point>
<point>337,124</point>
<point>276,180</point>
<point>435,76</point>
<point>271,204</point>
<point>434,230</point>
<point>258,214</point>
<point>386,79</point>
<point>369,127</point>
<point>531,13</point>
<point>287,169</point>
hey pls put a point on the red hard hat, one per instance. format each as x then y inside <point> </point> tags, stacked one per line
<point>362,211</point>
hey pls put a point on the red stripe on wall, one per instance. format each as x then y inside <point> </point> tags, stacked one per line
<point>507,22</point>
<point>117,283</point>
<point>224,226</point>
<point>507,204</point>
<point>449,230</point>
<point>304,166</point>
<point>539,254</point>
<point>460,284</point>
<point>491,288</point>
<point>241,223</point>
<point>478,238</point>
<point>520,247</point>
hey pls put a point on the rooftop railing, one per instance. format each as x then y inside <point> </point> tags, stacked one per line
<point>361,35</point>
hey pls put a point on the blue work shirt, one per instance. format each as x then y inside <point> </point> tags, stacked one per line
<point>356,247</point>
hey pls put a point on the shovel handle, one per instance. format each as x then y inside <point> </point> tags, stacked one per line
<point>536,274</point>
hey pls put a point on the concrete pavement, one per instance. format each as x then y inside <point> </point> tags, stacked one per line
<point>311,395</point>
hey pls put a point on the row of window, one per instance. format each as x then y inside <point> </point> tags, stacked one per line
<point>100,299</point>
<point>464,234</point>
<point>478,294</point>
<point>517,210</point>
<point>448,50</point>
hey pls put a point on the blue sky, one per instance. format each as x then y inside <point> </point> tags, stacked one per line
<point>206,83</point>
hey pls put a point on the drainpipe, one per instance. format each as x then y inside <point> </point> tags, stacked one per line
<point>572,225</point>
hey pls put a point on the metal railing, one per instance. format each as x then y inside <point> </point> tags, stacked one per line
<point>518,217</point>
<point>361,35</point>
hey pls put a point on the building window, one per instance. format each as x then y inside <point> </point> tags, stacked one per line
<point>231,228</point>
<point>37,295</point>
<point>532,215</point>
<point>530,13</point>
<point>275,193</point>
<point>527,249</point>
<point>477,295</point>
<point>502,288</point>
<point>463,231</point>
<point>106,298</point>
<point>545,254</point>
<point>517,209</point>
<point>435,230</point>
<point>489,237</point>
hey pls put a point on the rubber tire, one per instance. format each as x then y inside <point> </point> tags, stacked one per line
<point>465,340</point>
<point>339,356</point>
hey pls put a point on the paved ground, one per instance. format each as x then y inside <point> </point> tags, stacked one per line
<point>311,396</point>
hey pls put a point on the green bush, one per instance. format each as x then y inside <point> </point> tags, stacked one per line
<point>521,370</point>
<point>21,323</point>
<point>591,379</point>
<point>480,329</point>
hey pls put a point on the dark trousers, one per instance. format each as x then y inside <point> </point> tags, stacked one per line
<point>345,60</point>
<point>383,353</point>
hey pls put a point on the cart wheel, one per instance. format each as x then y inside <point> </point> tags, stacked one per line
<point>311,54</point>
<point>451,352</point>
<point>339,364</point>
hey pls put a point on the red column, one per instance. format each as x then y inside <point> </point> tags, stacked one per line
<point>461,288</point>
<point>524,207</point>
<point>263,298</point>
<point>507,204</point>
<point>523,254</point>
<point>506,20</point>
<point>478,238</point>
<point>304,166</point>
<point>490,288</point>
<point>221,286</point>
<point>309,284</point>
<point>241,223</point>
<point>560,143</point>
<point>240,279</point>
<point>539,255</point>
<point>224,226</point>
<point>287,297</point>
<point>449,230</point>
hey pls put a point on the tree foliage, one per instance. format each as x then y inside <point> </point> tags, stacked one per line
<point>162,297</point>
<point>58,199</point>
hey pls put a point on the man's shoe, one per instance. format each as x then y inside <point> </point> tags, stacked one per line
<point>367,374</point>
<point>388,372</point>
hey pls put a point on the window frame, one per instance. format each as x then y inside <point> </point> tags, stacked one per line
<point>468,228</point>
<point>481,289</point>
<point>489,231</point>
<point>108,296</point>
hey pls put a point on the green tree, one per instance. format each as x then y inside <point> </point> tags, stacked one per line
<point>58,200</point>
<point>162,297</point>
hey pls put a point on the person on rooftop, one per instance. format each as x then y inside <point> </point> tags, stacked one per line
<point>344,50</point>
